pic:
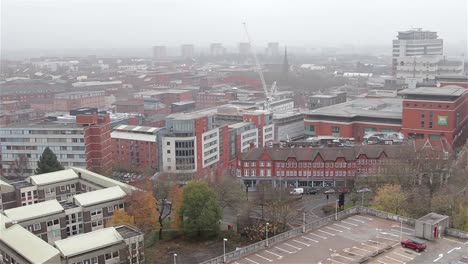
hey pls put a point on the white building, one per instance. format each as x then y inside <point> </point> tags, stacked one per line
<point>427,68</point>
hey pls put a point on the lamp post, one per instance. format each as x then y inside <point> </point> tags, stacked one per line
<point>175,258</point>
<point>303,222</point>
<point>362,191</point>
<point>224,249</point>
<point>401,229</point>
<point>336,210</point>
<point>266,234</point>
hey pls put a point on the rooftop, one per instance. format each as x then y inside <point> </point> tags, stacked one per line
<point>37,210</point>
<point>127,232</point>
<point>87,242</point>
<point>35,250</point>
<point>144,129</point>
<point>239,125</point>
<point>450,90</point>
<point>369,107</point>
<point>103,180</point>
<point>53,177</point>
<point>133,136</point>
<point>100,196</point>
<point>432,218</point>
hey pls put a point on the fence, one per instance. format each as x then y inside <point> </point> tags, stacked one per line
<point>386,215</point>
<point>456,233</point>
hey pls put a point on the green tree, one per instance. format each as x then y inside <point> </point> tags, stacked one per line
<point>200,210</point>
<point>48,162</point>
<point>390,198</point>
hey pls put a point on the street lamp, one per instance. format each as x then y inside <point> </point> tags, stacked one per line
<point>224,249</point>
<point>336,210</point>
<point>266,234</point>
<point>303,222</point>
<point>362,191</point>
<point>175,258</point>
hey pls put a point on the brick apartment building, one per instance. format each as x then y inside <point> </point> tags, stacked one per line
<point>135,147</point>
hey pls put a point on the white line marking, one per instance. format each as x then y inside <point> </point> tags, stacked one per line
<point>391,239</point>
<point>317,235</point>
<point>236,263</point>
<point>274,254</point>
<point>356,220</point>
<point>382,262</point>
<point>346,222</point>
<point>403,227</point>
<point>440,256</point>
<point>326,232</point>
<point>332,260</point>
<point>377,242</point>
<point>289,245</point>
<point>310,239</point>
<point>342,226</point>
<point>284,250</point>
<point>362,249</point>
<point>344,257</point>
<point>385,233</point>
<point>334,229</point>
<point>370,246</point>
<point>263,257</point>
<point>307,245</point>
<point>347,251</point>
<point>251,261</point>
<point>368,218</point>
<point>450,251</point>
<point>400,231</point>
<point>456,241</point>
<point>395,259</point>
<point>402,255</point>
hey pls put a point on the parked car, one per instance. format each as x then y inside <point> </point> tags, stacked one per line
<point>311,191</point>
<point>345,190</point>
<point>297,191</point>
<point>414,244</point>
<point>329,191</point>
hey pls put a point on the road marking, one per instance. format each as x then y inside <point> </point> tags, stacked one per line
<point>402,255</point>
<point>317,235</point>
<point>368,218</point>
<point>382,262</point>
<point>391,239</point>
<point>377,242</point>
<point>342,226</point>
<point>362,249</point>
<point>289,245</point>
<point>456,241</point>
<point>310,239</point>
<point>263,257</point>
<point>403,227</point>
<point>370,246</point>
<point>284,250</point>
<point>399,231</point>
<point>332,260</point>
<point>334,229</point>
<point>251,261</point>
<point>326,232</point>
<point>347,251</point>
<point>346,222</point>
<point>274,254</point>
<point>308,245</point>
<point>344,257</point>
<point>356,220</point>
<point>395,259</point>
<point>440,256</point>
<point>450,251</point>
<point>385,233</point>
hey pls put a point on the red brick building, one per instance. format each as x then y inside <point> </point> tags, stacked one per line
<point>72,100</point>
<point>430,112</point>
<point>130,106</point>
<point>135,147</point>
<point>208,100</point>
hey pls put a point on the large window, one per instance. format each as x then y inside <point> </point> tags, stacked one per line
<point>335,131</point>
<point>423,119</point>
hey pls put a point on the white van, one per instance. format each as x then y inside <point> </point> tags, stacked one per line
<point>297,191</point>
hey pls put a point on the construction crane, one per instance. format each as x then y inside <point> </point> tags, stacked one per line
<point>268,93</point>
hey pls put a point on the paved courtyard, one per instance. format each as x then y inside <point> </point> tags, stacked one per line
<point>354,239</point>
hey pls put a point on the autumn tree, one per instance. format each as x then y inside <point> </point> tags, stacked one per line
<point>121,217</point>
<point>20,165</point>
<point>229,191</point>
<point>390,198</point>
<point>48,162</point>
<point>142,205</point>
<point>177,197</point>
<point>200,211</point>
<point>460,216</point>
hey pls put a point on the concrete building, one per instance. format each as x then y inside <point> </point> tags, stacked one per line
<point>425,69</point>
<point>246,134</point>
<point>323,100</point>
<point>159,53</point>
<point>415,42</point>
<point>135,147</point>
<point>217,49</point>
<point>288,126</point>
<point>187,51</point>
<point>273,49</point>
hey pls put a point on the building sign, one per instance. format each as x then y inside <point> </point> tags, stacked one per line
<point>442,120</point>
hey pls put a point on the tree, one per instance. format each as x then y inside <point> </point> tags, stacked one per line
<point>121,217</point>
<point>143,207</point>
<point>230,192</point>
<point>200,211</point>
<point>48,162</point>
<point>177,198</point>
<point>390,198</point>
<point>460,216</point>
<point>20,165</point>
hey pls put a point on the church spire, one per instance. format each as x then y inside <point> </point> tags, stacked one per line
<point>285,64</point>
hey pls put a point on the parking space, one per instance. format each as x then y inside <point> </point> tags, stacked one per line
<point>354,239</point>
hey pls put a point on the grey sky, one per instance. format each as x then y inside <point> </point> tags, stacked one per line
<point>71,24</point>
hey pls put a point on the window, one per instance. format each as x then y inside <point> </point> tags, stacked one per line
<point>62,188</point>
<point>246,172</point>
<point>37,226</point>
<point>246,164</point>
<point>110,209</point>
<point>335,131</point>
<point>253,172</point>
<point>431,116</point>
<point>262,164</point>
<point>262,172</point>
<point>268,163</point>
<point>423,116</point>
<point>96,212</point>
<point>52,222</point>
<point>94,260</point>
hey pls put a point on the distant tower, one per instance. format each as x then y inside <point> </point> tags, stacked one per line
<point>285,65</point>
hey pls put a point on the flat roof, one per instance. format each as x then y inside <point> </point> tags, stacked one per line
<point>133,136</point>
<point>449,90</point>
<point>28,245</point>
<point>87,242</point>
<point>103,180</point>
<point>100,196</point>
<point>239,125</point>
<point>6,187</point>
<point>368,107</point>
<point>53,177</point>
<point>32,211</point>
<point>145,129</point>
<point>127,232</point>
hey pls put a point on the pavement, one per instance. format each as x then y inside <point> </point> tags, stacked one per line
<point>355,239</point>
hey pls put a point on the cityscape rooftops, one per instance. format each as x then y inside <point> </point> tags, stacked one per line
<point>127,231</point>
<point>33,211</point>
<point>369,107</point>
<point>87,242</point>
<point>450,90</point>
<point>239,125</point>
<point>53,177</point>
<point>133,136</point>
<point>100,196</point>
<point>140,129</point>
<point>35,250</point>
<point>5,187</point>
<point>103,180</point>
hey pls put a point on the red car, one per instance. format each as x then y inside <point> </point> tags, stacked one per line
<point>413,244</point>
<point>344,190</point>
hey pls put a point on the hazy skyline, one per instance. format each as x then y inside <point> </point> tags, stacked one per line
<point>88,24</point>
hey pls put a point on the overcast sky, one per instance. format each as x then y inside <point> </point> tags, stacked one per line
<point>72,24</point>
